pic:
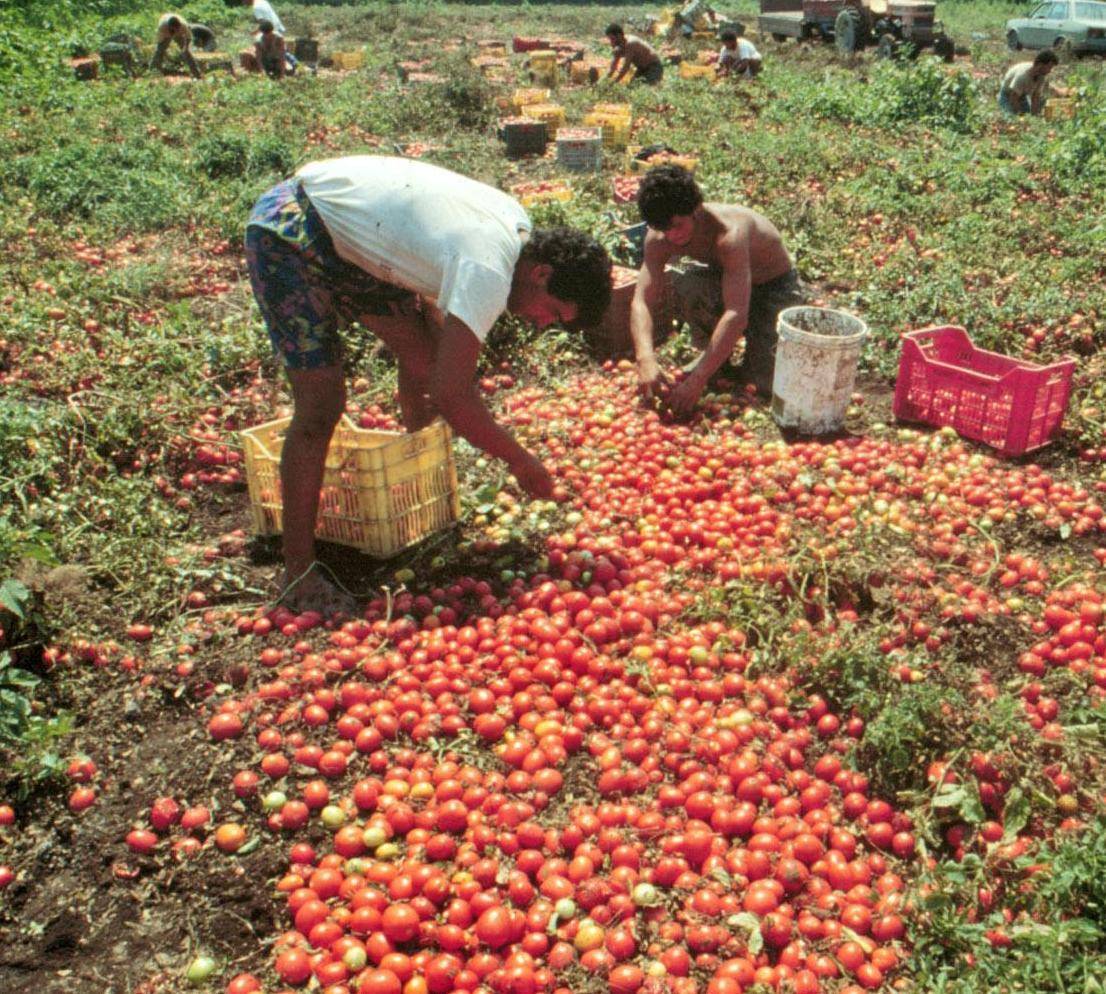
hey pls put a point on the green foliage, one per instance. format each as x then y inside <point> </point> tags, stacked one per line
<point>131,184</point>
<point>902,93</point>
<point>1057,945</point>
<point>232,155</point>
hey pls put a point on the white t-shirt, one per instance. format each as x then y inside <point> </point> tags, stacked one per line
<point>263,11</point>
<point>423,228</point>
<point>745,50</point>
<point>1019,80</point>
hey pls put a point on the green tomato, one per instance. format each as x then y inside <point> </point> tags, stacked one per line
<point>645,895</point>
<point>274,800</point>
<point>333,817</point>
<point>565,908</point>
<point>374,837</point>
<point>200,969</point>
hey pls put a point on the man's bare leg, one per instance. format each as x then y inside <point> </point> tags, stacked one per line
<point>319,396</point>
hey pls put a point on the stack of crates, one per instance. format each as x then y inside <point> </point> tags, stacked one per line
<point>521,99</point>
<point>553,115</point>
<point>580,149</point>
<point>615,120</point>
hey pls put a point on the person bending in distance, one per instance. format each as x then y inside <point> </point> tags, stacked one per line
<point>634,54</point>
<point>427,260</point>
<point>740,279</point>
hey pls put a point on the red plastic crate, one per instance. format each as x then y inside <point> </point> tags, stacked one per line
<point>528,44</point>
<point>1010,405</point>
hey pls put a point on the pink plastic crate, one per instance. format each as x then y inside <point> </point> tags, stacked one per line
<point>1011,405</point>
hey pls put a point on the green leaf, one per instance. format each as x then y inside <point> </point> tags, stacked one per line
<point>949,795</point>
<point>14,596</point>
<point>972,809</point>
<point>1016,814</point>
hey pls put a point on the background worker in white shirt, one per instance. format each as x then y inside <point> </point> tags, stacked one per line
<point>739,56</point>
<point>1024,88</point>
<point>263,11</point>
<point>427,260</point>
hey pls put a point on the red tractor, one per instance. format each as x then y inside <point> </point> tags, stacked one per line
<point>893,26</point>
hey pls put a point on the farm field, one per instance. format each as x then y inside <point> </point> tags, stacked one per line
<point>740,712</point>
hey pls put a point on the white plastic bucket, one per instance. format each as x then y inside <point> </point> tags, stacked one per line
<point>815,368</point>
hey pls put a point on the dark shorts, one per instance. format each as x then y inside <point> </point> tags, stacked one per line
<point>698,292</point>
<point>651,74</point>
<point>305,291</point>
<point>1011,103</point>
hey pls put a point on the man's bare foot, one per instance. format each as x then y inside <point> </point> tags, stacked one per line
<point>314,592</point>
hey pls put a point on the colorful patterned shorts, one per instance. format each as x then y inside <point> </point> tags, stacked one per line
<point>305,291</point>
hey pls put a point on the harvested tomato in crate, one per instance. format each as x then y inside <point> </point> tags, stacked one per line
<point>1013,406</point>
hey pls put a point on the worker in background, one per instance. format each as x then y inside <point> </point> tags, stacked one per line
<point>173,28</point>
<point>634,54</point>
<point>270,50</point>
<point>1024,88</point>
<point>739,57</point>
<point>263,11</point>
<point>202,37</point>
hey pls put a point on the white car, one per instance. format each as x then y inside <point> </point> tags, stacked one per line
<point>1071,27</point>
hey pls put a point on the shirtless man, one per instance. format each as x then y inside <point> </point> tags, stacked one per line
<point>173,28</point>
<point>743,279</point>
<point>635,53</point>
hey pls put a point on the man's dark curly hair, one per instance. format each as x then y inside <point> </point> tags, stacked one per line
<point>581,270</point>
<point>666,192</point>
<point>615,30</point>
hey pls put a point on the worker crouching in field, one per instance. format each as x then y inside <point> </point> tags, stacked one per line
<point>270,50</point>
<point>634,54</point>
<point>1024,88</point>
<point>739,57</point>
<point>740,280</point>
<point>427,260</point>
<point>173,28</point>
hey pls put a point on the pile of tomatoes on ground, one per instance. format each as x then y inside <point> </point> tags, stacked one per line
<point>527,783</point>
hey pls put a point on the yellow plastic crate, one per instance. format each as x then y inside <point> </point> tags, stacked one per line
<point>585,71</point>
<point>541,192</point>
<point>616,130</point>
<point>552,114</point>
<point>689,71</point>
<point>615,110</point>
<point>689,162</point>
<point>382,490</point>
<point>349,60</point>
<point>526,97</point>
<point>1059,108</point>
<point>542,57</point>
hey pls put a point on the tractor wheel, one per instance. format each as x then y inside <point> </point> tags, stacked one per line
<point>944,48</point>
<point>888,46</point>
<point>778,38</point>
<point>848,31</point>
<point>1013,42</point>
